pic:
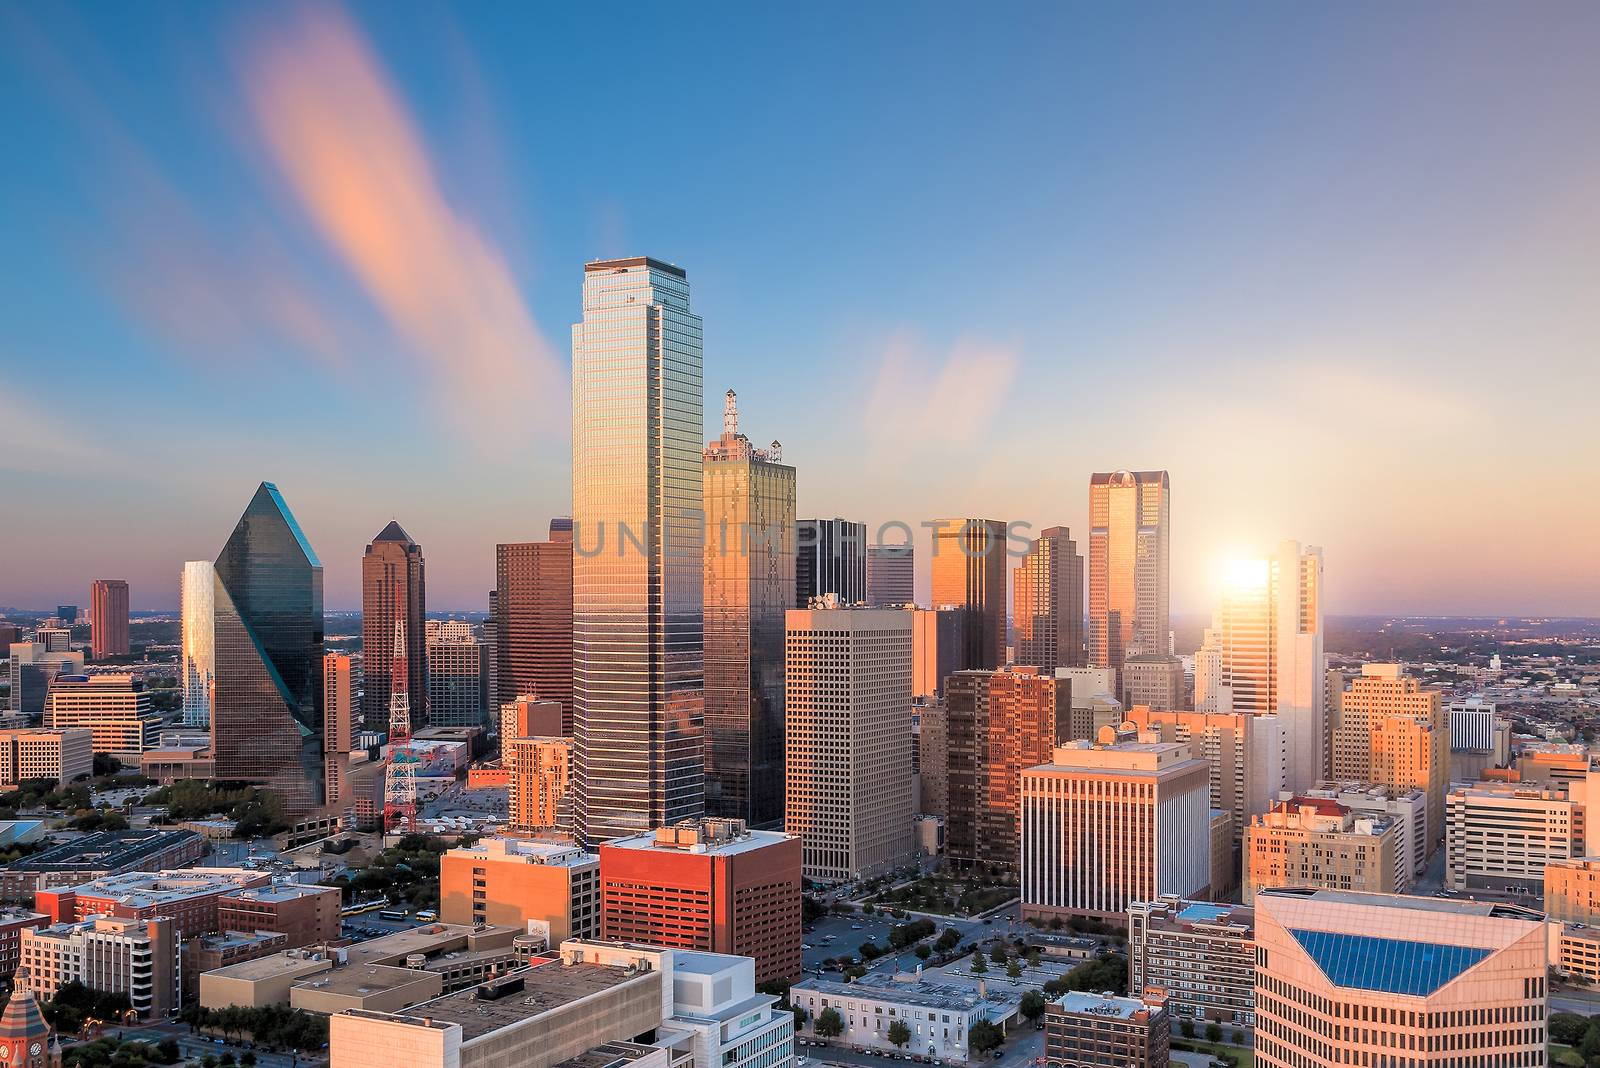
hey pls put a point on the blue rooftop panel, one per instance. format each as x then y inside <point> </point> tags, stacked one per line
<point>1389,965</point>
<point>1202,912</point>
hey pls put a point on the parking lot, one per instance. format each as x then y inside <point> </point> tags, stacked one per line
<point>842,936</point>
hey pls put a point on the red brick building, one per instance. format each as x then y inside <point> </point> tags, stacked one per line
<point>188,898</point>
<point>12,923</point>
<point>308,915</point>
<point>707,885</point>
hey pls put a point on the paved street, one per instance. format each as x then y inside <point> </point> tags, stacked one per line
<point>875,928</point>
<point>193,1047</point>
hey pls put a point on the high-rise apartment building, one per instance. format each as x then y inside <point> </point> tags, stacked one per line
<point>1198,955</point>
<point>1108,824</point>
<point>848,781</point>
<point>1129,565</point>
<point>546,886</point>
<point>891,576</point>
<point>338,724</point>
<point>749,583</point>
<point>1502,836</point>
<point>393,587</point>
<point>1472,721</point>
<point>1392,732</point>
<point>458,682</point>
<point>1048,597</point>
<point>116,709</point>
<point>266,719</point>
<point>108,618</point>
<point>197,655</point>
<point>1263,654</point>
<point>138,958</point>
<point>710,885</point>
<point>538,794</point>
<point>830,557</point>
<point>1316,842</point>
<point>529,717</point>
<point>533,618</point>
<point>997,723</point>
<point>969,575</point>
<point>1374,979</point>
<point>638,557</point>
<point>1247,756</point>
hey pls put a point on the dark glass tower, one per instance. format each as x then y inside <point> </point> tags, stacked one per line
<point>830,557</point>
<point>266,724</point>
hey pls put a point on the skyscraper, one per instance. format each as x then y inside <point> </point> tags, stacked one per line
<point>338,719</point>
<point>198,654</point>
<point>1048,591</point>
<point>1129,564</point>
<point>393,582</point>
<point>533,619</point>
<point>830,557</point>
<point>749,579</point>
<point>1392,732</point>
<point>969,574</point>
<point>266,718</point>
<point>891,576</point>
<point>638,566</point>
<point>108,618</point>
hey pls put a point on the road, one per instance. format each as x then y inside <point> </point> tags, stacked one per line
<point>1568,999</point>
<point>1024,1045</point>
<point>193,1046</point>
<point>847,938</point>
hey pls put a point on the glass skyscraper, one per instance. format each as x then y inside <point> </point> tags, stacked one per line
<point>199,641</point>
<point>638,536</point>
<point>266,715</point>
<point>749,581</point>
<point>1130,530</point>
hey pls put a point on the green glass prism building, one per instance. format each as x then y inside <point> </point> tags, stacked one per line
<point>266,716</point>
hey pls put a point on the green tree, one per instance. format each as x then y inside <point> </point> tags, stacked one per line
<point>829,1023</point>
<point>984,1037</point>
<point>979,965</point>
<point>1187,1028</point>
<point>1213,1032</point>
<point>1567,1028</point>
<point>998,953</point>
<point>924,951</point>
<point>899,1033</point>
<point>1013,968</point>
<point>1033,1006</point>
<point>1033,957</point>
<point>1236,1037</point>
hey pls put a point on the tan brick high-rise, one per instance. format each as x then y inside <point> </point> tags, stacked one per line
<point>393,585</point>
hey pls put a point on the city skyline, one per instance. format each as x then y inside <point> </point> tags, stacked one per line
<point>188,244</point>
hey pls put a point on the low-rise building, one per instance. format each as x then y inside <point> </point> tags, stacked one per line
<point>1577,952</point>
<point>212,951</point>
<point>12,923</point>
<point>1083,1030</point>
<point>138,958</point>
<point>1501,836</point>
<point>1572,890</point>
<point>1197,955</point>
<point>1407,806</point>
<point>1316,842</point>
<point>187,897</point>
<point>96,855</point>
<point>167,764</point>
<point>303,913</point>
<point>939,1016</point>
<point>546,887</point>
<point>116,709</point>
<point>39,753</point>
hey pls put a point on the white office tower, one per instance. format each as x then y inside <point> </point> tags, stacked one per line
<point>1471,725</point>
<point>1264,655</point>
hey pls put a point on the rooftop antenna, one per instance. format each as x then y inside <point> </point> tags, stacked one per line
<point>730,415</point>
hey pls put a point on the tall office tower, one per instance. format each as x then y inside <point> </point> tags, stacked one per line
<point>935,649</point>
<point>1248,756</point>
<point>198,644</point>
<point>32,669</point>
<point>969,574</point>
<point>1263,653</point>
<point>266,719</point>
<point>458,682</point>
<point>108,617</point>
<point>338,724</point>
<point>1129,561</point>
<point>848,782</point>
<point>1154,680</point>
<point>67,614</point>
<point>1048,595</point>
<point>116,708</point>
<point>53,639</point>
<point>491,645</point>
<point>1471,725</point>
<point>1392,732</point>
<point>638,556</point>
<point>393,584</point>
<point>891,576</point>
<point>1375,979</point>
<point>10,634</point>
<point>830,557</point>
<point>529,717</point>
<point>1109,824</point>
<point>533,618</point>
<point>749,581</point>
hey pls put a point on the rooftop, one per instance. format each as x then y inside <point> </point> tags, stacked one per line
<point>434,938</point>
<point>281,892</point>
<point>608,1055</point>
<point>528,851</point>
<point>885,988</point>
<point>110,851</point>
<point>363,980</point>
<point>1120,1008</point>
<point>140,889</point>
<point>718,837</point>
<point>291,962</point>
<point>547,985</point>
<point>1402,901</point>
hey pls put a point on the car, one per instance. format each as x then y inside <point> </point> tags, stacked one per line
<point>805,945</point>
<point>855,927</point>
<point>999,1054</point>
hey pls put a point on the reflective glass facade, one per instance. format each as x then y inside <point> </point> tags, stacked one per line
<point>266,718</point>
<point>199,641</point>
<point>969,575</point>
<point>1129,565</point>
<point>1048,602</point>
<point>831,557</point>
<point>749,580</point>
<point>638,533</point>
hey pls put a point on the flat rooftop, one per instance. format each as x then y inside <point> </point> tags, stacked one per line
<point>291,963</point>
<point>434,938</point>
<point>363,980</point>
<point>547,985</point>
<point>282,892</point>
<point>747,842</point>
<point>103,851</point>
<point>1456,906</point>
<point>922,994</point>
<point>609,1055</point>
<point>1111,1008</point>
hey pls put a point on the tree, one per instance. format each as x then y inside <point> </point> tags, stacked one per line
<point>1213,1032</point>
<point>979,965</point>
<point>1236,1037</point>
<point>1187,1027</point>
<point>1033,957</point>
<point>998,953</point>
<point>924,951</point>
<point>1567,1028</point>
<point>247,1059</point>
<point>983,1037</point>
<point>870,951</point>
<point>1033,1006</point>
<point>829,1023</point>
<point>899,1033</point>
<point>1013,968</point>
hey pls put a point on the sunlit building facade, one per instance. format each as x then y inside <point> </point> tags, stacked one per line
<point>533,620</point>
<point>969,575</point>
<point>891,576</point>
<point>266,720</point>
<point>1129,565</point>
<point>198,652</point>
<point>1048,596</point>
<point>108,616</point>
<point>638,551</point>
<point>338,724</point>
<point>749,582</point>
<point>393,586</point>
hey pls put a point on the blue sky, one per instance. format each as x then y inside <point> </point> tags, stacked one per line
<point>1332,266</point>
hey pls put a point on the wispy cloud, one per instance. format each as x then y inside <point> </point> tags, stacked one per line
<point>959,392</point>
<point>350,153</point>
